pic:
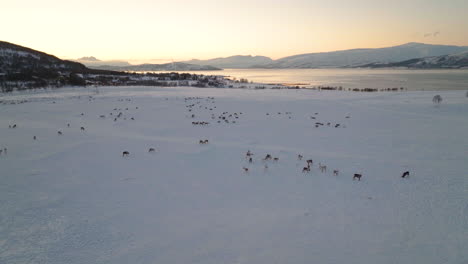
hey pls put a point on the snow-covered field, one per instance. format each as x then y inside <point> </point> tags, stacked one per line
<point>73,198</point>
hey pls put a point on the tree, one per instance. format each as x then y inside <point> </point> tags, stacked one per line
<point>437,99</point>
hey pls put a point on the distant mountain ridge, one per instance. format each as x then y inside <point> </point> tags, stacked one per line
<point>233,62</point>
<point>176,66</point>
<point>336,59</point>
<point>94,62</point>
<point>90,58</point>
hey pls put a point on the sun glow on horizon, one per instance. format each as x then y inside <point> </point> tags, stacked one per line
<point>145,30</point>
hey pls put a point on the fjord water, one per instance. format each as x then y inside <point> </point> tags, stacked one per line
<point>414,80</point>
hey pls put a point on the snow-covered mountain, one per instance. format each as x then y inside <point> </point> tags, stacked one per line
<point>234,62</point>
<point>453,61</point>
<point>365,56</point>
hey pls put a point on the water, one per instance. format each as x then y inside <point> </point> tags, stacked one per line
<point>415,80</point>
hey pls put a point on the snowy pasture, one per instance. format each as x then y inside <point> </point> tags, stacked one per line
<point>74,198</point>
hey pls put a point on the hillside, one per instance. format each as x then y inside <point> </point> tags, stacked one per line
<point>25,67</point>
<point>18,59</point>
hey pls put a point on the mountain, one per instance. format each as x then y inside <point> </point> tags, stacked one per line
<point>176,66</point>
<point>93,62</point>
<point>454,61</point>
<point>235,62</point>
<point>365,56</point>
<point>91,58</point>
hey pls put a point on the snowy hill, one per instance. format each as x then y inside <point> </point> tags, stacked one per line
<point>234,62</point>
<point>74,198</point>
<point>454,61</point>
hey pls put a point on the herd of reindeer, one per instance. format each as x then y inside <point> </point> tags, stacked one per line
<point>224,117</point>
<point>307,169</point>
<point>193,103</point>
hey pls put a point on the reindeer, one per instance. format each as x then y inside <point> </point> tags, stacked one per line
<point>34,138</point>
<point>82,128</point>
<point>203,141</point>
<point>309,162</point>
<point>59,132</point>
<point>357,176</point>
<point>267,157</point>
<point>275,159</point>
<point>246,170</point>
<point>125,153</point>
<point>336,172</point>
<point>250,160</point>
<point>299,157</point>
<point>405,174</point>
<point>323,168</point>
<point>248,154</point>
<point>151,150</point>
<point>306,169</point>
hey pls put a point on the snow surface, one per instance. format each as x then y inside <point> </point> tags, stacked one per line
<point>73,198</point>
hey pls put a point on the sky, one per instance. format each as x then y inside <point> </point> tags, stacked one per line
<point>154,30</point>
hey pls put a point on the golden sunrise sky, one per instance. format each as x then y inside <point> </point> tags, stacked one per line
<point>148,30</point>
